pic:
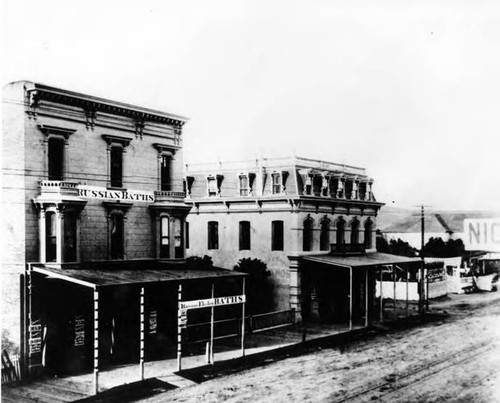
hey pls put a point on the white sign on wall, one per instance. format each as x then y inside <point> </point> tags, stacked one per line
<point>207,303</point>
<point>94,192</point>
<point>482,234</point>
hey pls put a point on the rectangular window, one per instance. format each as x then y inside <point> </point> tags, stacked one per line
<point>70,237</point>
<point>277,235</point>
<point>179,249</point>
<point>212,186</point>
<point>50,236</point>
<point>187,235</point>
<point>56,159</point>
<point>213,235</point>
<point>117,237</point>
<point>244,235</point>
<point>276,178</point>
<point>116,167</point>
<point>164,238</point>
<point>244,185</point>
<point>165,172</point>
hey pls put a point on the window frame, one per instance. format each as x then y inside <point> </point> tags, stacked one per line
<point>245,230</point>
<point>308,235</point>
<point>212,235</point>
<point>325,229</point>
<point>277,235</point>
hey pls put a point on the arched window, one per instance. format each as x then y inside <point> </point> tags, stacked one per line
<point>340,232</point>
<point>164,237</point>
<point>307,235</point>
<point>355,232</point>
<point>324,237</point>
<point>368,235</point>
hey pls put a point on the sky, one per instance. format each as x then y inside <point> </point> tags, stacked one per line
<point>409,90</point>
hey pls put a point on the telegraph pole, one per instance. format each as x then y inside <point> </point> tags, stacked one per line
<point>422,263</point>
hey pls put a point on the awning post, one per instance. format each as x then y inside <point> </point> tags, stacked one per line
<point>179,329</point>
<point>381,296</point>
<point>243,319</point>
<point>96,341</point>
<point>212,314</point>
<point>394,286</point>
<point>350,298</point>
<point>141,337</point>
<point>366,297</point>
<point>407,304</point>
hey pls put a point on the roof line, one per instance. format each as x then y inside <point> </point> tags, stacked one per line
<point>63,277</point>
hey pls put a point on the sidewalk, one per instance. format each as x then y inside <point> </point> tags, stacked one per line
<point>227,353</point>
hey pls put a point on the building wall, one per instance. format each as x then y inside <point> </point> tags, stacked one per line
<point>25,164</point>
<point>228,253</point>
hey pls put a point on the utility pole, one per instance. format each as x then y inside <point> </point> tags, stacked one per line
<point>422,263</point>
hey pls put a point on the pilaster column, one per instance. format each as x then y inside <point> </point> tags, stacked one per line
<point>65,159</point>
<point>295,287</point>
<point>108,164</point>
<point>355,187</point>
<point>369,191</point>
<point>59,235</point>
<point>124,166</point>
<point>42,235</point>
<point>340,188</point>
<point>325,184</point>
<point>171,237</point>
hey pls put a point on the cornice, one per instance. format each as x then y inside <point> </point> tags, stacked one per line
<point>37,92</point>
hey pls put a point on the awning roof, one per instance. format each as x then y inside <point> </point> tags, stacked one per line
<point>111,277</point>
<point>369,259</point>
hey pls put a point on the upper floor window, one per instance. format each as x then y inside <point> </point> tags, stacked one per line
<point>178,238</point>
<point>56,158</point>
<point>324,237</point>
<point>244,235</point>
<point>116,151</point>
<point>213,235</point>
<point>116,158</point>
<point>276,183</point>
<point>187,235</point>
<point>355,232</point>
<point>165,173</point>
<point>214,183</point>
<point>277,235</point>
<point>368,235</point>
<point>307,235</point>
<point>244,185</point>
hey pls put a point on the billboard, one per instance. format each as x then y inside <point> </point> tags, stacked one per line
<point>482,234</point>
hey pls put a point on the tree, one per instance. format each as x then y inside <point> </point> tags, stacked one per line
<point>436,247</point>
<point>199,263</point>
<point>396,247</point>
<point>259,288</point>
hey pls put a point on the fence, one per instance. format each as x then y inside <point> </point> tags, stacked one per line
<point>11,371</point>
<point>226,328</point>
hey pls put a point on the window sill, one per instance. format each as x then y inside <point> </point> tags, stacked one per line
<point>116,188</point>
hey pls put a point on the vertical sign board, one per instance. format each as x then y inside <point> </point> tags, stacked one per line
<point>482,234</point>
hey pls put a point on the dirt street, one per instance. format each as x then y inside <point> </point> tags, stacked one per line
<point>454,360</point>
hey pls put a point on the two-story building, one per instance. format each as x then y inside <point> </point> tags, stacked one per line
<point>94,230</point>
<point>312,222</point>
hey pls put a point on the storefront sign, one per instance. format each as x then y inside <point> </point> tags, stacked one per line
<point>35,337</point>
<point>153,322</point>
<point>207,303</point>
<point>79,331</point>
<point>482,234</point>
<point>92,192</point>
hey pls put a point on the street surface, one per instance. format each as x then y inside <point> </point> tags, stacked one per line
<point>452,360</point>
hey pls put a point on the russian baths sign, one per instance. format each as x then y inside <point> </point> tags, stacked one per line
<point>482,234</point>
<point>92,192</point>
<point>210,302</point>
